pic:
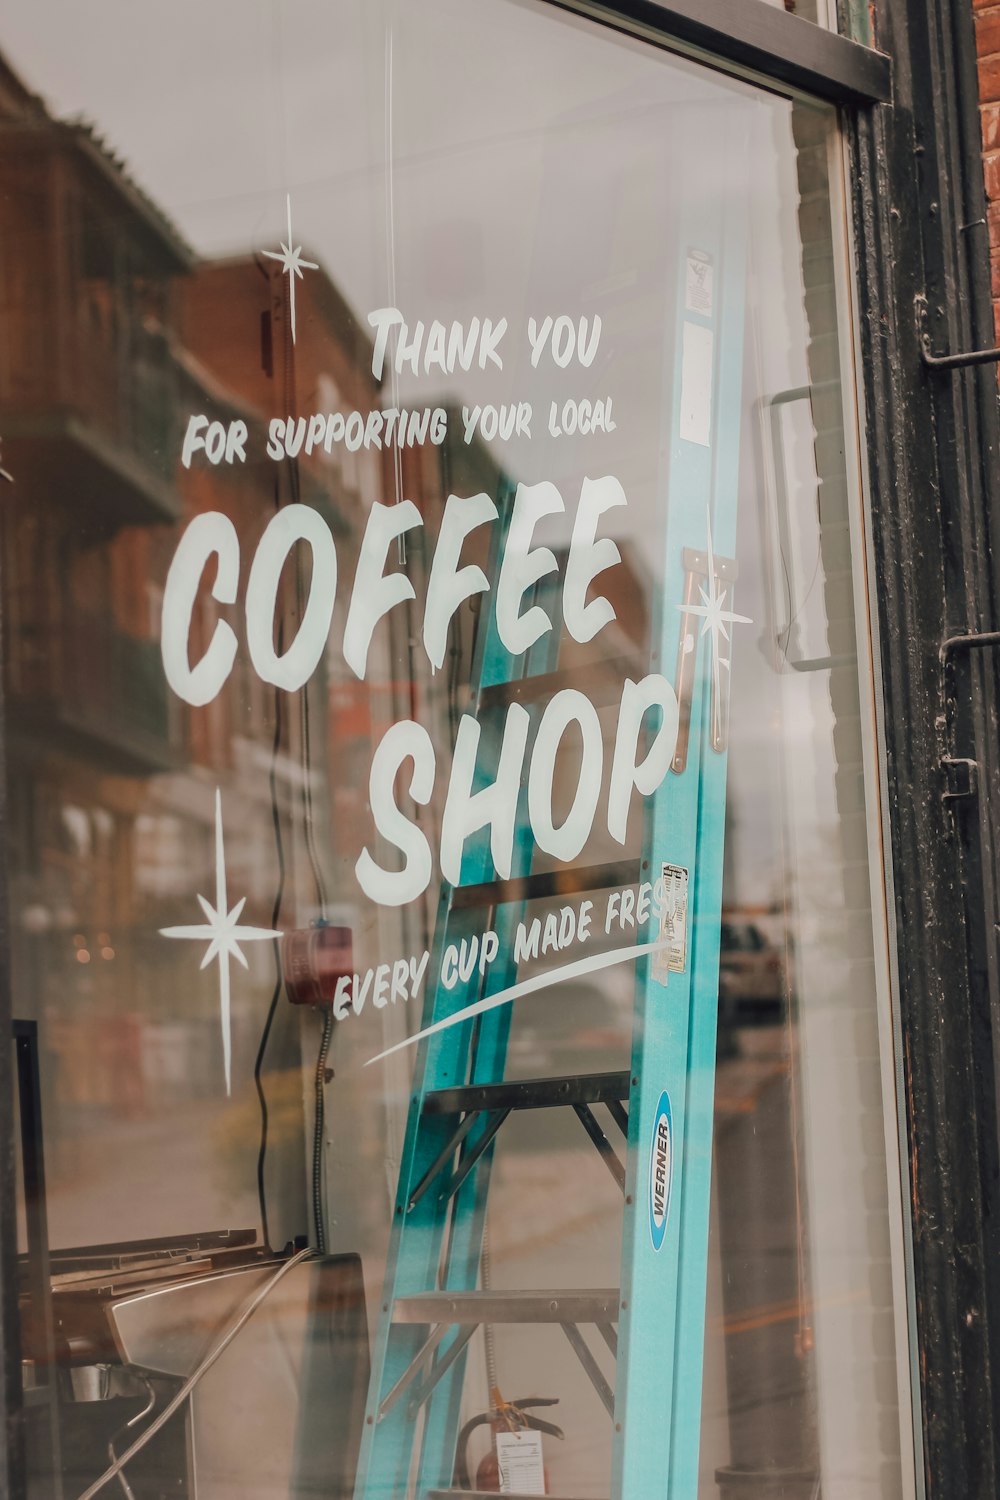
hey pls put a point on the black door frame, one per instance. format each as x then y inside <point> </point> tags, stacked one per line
<point>923,248</point>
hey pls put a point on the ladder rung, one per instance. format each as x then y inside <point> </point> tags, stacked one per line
<point>549,883</point>
<point>483,1495</point>
<point>572,1306</point>
<point>529,1093</point>
<point>602,681</point>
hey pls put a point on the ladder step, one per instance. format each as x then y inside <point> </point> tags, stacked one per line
<point>485,1495</point>
<point>529,1093</point>
<point>601,680</point>
<point>572,1306</point>
<point>549,883</point>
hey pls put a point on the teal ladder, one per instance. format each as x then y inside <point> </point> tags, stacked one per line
<point>653,1323</point>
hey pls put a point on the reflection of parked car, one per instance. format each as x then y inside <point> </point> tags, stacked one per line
<point>751,976</point>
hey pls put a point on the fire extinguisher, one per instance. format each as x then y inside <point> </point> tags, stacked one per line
<point>505,1416</point>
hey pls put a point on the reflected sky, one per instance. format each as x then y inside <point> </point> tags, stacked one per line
<point>459,166</point>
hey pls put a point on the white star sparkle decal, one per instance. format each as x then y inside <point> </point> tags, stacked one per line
<point>291,263</point>
<point>714,617</point>
<point>223,934</point>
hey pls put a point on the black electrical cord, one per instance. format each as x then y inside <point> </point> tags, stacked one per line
<point>320,1074</point>
<point>279,895</point>
<point>319,1129</point>
<point>265,1035</point>
<point>321,1062</point>
<point>320,1078</point>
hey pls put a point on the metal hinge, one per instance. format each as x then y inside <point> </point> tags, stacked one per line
<point>961,778</point>
<point>948,361</point>
<point>961,775</point>
<point>955,361</point>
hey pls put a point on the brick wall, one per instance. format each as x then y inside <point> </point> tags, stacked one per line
<point>987,16</point>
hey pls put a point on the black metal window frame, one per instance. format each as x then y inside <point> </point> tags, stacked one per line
<point>759,38</point>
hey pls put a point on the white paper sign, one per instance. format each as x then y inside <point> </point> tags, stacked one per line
<point>519,1455</point>
<point>697,352</point>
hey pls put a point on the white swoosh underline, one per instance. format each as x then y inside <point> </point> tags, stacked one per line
<point>528,987</point>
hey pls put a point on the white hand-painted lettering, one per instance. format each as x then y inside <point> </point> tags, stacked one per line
<point>583,417</point>
<point>653,691</point>
<point>376,592</point>
<point>209,535</point>
<point>480,794</point>
<point>449,585</point>
<point>564,338</point>
<point>220,444</point>
<point>493,806</point>
<point>403,741</point>
<point>565,708</point>
<point>461,960</point>
<point>400,980</point>
<point>503,422</point>
<point>444,351</point>
<point>521,567</point>
<point>288,437</point>
<point>589,557</point>
<point>296,665</point>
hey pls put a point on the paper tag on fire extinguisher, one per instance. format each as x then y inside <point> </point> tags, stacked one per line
<point>519,1455</point>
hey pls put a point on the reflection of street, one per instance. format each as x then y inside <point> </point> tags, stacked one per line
<point>752,980</point>
<point>554,1221</point>
<point>765,1315</point>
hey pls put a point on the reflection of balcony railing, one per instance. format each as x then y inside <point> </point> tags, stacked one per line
<point>95,425</point>
<point>87,688</point>
<point>88,384</point>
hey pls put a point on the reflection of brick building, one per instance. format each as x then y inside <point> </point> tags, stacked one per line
<point>89,401</point>
<point>87,390</point>
<point>114,335</point>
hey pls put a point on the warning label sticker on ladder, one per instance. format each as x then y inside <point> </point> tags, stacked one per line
<point>672,959</point>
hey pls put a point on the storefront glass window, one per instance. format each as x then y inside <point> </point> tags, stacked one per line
<point>443,821</point>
